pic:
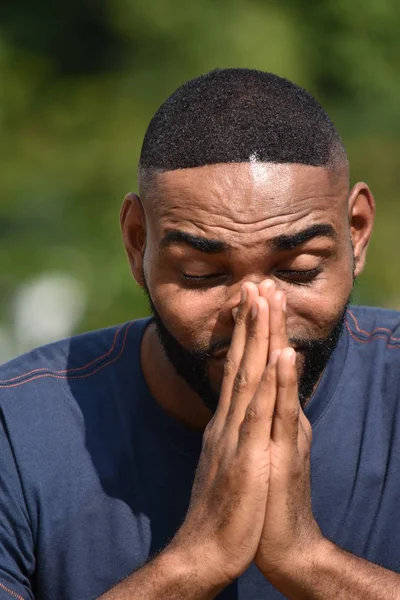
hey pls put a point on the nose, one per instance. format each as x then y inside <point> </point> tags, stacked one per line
<point>232,303</point>
<point>230,308</point>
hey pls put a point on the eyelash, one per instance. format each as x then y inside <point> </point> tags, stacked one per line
<point>308,275</point>
<point>201,279</point>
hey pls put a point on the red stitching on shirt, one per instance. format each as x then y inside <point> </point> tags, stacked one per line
<point>369,333</point>
<point>54,376</point>
<point>66,370</point>
<point>6,589</point>
<point>371,339</point>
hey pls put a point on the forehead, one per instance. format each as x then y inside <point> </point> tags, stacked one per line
<point>232,201</point>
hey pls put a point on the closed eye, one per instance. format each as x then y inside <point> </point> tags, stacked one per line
<point>295,277</point>
<point>299,277</point>
<point>208,279</point>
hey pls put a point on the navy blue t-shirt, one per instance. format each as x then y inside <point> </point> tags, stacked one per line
<point>95,477</point>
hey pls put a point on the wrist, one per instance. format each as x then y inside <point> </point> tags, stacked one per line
<point>315,557</point>
<point>292,577</point>
<point>188,564</point>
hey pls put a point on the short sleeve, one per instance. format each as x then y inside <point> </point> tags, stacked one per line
<point>17,561</point>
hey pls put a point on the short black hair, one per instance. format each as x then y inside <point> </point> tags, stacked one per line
<point>240,115</point>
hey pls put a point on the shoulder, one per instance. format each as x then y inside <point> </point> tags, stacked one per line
<point>76,358</point>
<point>55,396</point>
<point>374,326</point>
<point>374,352</point>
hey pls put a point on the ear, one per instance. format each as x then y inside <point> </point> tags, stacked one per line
<point>361,220</point>
<point>133,225</point>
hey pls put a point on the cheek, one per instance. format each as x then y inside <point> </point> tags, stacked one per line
<point>313,311</point>
<point>190,316</point>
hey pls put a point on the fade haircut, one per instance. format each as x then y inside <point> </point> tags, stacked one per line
<point>240,115</point>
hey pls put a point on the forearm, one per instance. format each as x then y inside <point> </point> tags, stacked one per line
<point>335,573</point>
<point>169,576</point>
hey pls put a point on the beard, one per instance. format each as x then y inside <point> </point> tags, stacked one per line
<point>192,364</point>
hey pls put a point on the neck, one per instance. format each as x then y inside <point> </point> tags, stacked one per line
<point>170,391</point>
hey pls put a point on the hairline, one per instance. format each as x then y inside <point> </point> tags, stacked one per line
<point>337,166</point>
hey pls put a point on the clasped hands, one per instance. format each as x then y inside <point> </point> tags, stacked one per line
<point>251,498</point>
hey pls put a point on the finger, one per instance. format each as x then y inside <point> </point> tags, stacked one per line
<point>287,409</point>
<point>266,288</point>
<point>257,422</point>
<point>249,293</point>
<point>277,326</point>
<point>253,362</point>
<point>305,434</point>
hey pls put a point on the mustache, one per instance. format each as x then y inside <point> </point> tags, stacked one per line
<point>219,347</point>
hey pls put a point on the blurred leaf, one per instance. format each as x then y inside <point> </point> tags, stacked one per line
<point>81,80</point>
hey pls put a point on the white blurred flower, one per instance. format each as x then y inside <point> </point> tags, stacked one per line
<point>46,309</point>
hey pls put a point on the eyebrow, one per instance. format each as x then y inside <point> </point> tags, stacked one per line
<point>278,244</point>
<point>290,242</point>
<point>209,246</point>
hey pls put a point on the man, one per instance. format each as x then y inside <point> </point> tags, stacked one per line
<point>171,457</point>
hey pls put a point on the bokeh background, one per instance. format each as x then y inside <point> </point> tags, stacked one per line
<point>79,83</point>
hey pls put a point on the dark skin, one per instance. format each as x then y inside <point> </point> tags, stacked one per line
<point>245,206</point>
<point>251,498</point>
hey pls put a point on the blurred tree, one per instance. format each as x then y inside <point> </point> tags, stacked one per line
<point>65,31</point>
<point>353,52</point>
<point>81,80</point>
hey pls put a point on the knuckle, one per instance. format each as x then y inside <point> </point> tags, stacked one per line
<point>229,366</point>
<point>252,413</point>
<point>208,433</point>
<point>252,334</point>
<point>293,414</point>
<point>241,381</point>
<point>241,317</point>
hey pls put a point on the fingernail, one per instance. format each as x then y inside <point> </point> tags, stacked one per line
<point>254,310</point>
<point>234,313</point>
<point>268,283</point>
<point>292,356</point>
<point>243,295</point>
<point>284,303</point>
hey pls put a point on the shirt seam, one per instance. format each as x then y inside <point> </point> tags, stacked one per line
<point>371,335</point>
<point>372,338</point>
<point>11,592</point>
<point>66,373</point>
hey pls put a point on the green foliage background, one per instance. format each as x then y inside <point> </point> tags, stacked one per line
<point>81,79</point>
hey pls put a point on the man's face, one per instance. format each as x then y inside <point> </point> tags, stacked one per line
<point>210,229</point>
